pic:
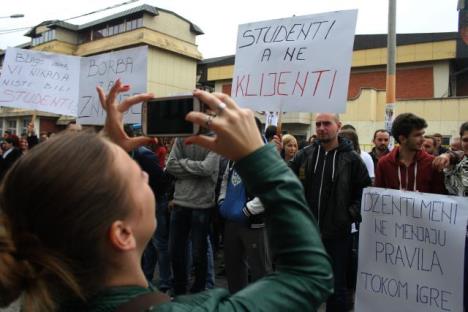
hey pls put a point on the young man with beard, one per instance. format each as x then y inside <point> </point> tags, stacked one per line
<point>333,176</point>
<point>381,141</point>
<point>407,166</point>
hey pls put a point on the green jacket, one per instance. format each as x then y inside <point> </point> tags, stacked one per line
<point>303,277</point>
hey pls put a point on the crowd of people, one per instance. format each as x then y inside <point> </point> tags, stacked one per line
<point>98,213</point>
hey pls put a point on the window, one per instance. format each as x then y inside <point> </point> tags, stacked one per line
<point>111,29</point>
<point>122,27</point>
<point>99,33</point>
<point>446,140</point>
<point>11,126</point>
<point>44,37</point>
<point>26,122</point>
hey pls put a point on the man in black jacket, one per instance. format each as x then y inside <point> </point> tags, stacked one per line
<point>8,156</point>
<point>333,176</point>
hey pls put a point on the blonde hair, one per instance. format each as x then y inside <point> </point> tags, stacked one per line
<point>287,138</point>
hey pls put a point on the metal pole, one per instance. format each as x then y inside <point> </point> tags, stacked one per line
<point>391,67</point>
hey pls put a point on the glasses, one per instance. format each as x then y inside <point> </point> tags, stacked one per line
<point>323,123</point>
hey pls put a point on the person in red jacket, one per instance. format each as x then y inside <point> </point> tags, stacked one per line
<point>408,167</point>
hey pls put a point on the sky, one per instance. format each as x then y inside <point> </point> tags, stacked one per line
<point>219,19</point>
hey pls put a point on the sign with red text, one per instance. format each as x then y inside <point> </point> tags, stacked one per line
<point>129,65</point>
<point>297,64</point>
<point>411,251</point>
<point>38,80</point>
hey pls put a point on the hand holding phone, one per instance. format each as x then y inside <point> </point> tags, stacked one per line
<point>164,117</point>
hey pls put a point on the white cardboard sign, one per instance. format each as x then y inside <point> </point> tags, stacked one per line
<point>129,65</point>
<point>41,81</point>
<point>411,251</point>
<point>64,84</point>
<point>297,64</point>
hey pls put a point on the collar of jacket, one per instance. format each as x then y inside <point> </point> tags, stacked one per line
<point>393,156</point>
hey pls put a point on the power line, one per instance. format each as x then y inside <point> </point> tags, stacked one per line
<point>102,10</point>
<point>13,30</point>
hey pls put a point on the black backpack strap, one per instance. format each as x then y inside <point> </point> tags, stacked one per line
<point>144,302</point>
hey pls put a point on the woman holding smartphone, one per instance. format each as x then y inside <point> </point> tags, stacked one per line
<point>74,238</point>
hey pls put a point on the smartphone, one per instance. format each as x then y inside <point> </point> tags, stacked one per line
<point>165,116</point>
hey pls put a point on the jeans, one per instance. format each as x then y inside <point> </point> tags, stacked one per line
<point>185,221</point>
<point>338,250</point>
<point>210,278</point>
<point>161,240</point>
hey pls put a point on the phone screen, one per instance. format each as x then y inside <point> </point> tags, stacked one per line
<point>168,116</point>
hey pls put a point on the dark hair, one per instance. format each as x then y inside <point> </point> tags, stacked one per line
<point>405,123</point>
<point>347,127</point>
<point>437,135</point>
<point>463,128</point>
<point>379,130</point>
<point>431,137</point>
<point>53,245</point>
<point>270,132</point>
<point>353,137</point>
<point>312,138</point>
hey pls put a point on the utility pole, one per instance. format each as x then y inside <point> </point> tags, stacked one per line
<point>391,68</point>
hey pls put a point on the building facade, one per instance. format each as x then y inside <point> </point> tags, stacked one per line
<point>172,54</point>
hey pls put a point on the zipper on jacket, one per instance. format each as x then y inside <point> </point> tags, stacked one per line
<point>321,184</point>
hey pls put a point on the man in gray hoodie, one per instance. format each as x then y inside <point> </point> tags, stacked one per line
<point>196,173</point>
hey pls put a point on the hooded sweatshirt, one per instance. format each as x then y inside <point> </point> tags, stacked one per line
<point>420,176</point>
<point>333,183</point>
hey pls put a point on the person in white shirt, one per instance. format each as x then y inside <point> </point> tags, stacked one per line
<point>351,135</point>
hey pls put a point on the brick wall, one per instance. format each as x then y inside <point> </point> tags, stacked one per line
<point>413,83</point>
<point>227,88</point>
<point>49,125</point>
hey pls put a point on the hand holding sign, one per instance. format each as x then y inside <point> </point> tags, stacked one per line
<point>113,126</point>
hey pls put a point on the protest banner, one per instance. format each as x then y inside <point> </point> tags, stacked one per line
<point>411,251</point>
<point>64,84</point>
<point>297,64</point>
<point>40,81</point>
<point>129,65</point>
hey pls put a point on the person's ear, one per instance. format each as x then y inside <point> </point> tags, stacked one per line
<point>121,236</point>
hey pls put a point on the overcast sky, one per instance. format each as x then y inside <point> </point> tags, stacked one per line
<point>219,19</point>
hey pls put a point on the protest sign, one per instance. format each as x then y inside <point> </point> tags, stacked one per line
<point>64,84</point>
<point>411,251</point>
<point>41,81</point>
<point>129,65</point>
<point>297,64</point>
